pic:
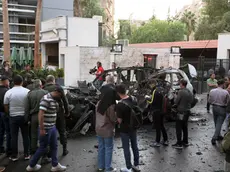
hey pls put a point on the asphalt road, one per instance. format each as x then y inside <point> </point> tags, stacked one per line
<point>200,156</point>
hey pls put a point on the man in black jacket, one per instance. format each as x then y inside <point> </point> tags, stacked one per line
<point>4,120</point>
<point>62,113</point>
<point>157,103</point>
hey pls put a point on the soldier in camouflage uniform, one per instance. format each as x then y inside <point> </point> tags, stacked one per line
<point>62,113</point>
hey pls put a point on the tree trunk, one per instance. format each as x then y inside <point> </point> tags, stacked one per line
<point>188,36</point>
<point>37,58</point>
<point>77,8</point>
<point>6,35</point>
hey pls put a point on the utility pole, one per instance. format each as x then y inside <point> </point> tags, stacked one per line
<point>6,35</point>
<point>37,57</point>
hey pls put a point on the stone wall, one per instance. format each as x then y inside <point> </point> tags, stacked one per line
<point>89,56</point>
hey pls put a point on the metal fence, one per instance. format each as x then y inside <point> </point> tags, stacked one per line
<point>205,66</point>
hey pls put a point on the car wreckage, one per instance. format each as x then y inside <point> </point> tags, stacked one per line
<point>83,99</point>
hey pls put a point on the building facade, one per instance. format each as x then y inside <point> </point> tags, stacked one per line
<point>22,15</point>
<point>109,8</point>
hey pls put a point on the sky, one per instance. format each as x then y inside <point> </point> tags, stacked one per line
<point>144,9</point>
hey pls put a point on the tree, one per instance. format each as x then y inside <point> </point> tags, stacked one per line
<point>77,8</point>
<point>159,31</point>
<point>125,30</point>
<point>37,59</point>
<point>87,8</point>
<point>6,35</point>
<point>189,19</point>
<point>215,9</point>
<point>216,18</point>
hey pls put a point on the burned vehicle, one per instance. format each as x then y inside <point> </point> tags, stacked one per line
<point>82,103</point>
<point>139,79</point>
<point>83,99</point>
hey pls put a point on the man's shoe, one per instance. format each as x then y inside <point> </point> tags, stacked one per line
<point>126,170</point>
<point>111,169</point>
<point>136,168</point>
<point>12,158</point>
<point>65,151</point>
<point>27,157</point>
<point>37,167</point>
<point>213,141</point>
<point>165,143</point>
<point>177,146</point>
<point>156,144</point>
<point>185,144</point>
<point>59,167</point>
<point>220,138</point>
<point>2,169</point>
<point>100,170</point>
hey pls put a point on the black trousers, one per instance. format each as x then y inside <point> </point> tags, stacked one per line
<point>182,126</point>
<point>208,104</point>
<point>61,127</point>
<point>158,119</point>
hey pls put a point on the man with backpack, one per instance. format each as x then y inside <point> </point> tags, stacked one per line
<point>128,126</point>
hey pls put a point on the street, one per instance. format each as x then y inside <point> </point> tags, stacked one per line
<point>200,156</point>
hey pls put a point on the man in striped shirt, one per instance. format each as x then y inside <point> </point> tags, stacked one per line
<point>48,132</point>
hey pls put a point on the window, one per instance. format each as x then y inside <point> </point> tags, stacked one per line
<point>150,61</point>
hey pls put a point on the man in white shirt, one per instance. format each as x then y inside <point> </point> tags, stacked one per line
<point>14,103</point>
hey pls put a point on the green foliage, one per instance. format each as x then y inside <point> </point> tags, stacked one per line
<point>108,41</point>
<point>60,73</point>
<point>189,19</point>
<point>159,31</point>
<point>125,30</point>
<point>42,73</point>
<point>90,8</point>
<point>215,9</point>
<point>216,20</point>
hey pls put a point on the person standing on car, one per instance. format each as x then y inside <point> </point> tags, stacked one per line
<point>128,133</point>
<point>105,125</point>
<point>4,119</point>
<point>62,113</point>
<point>99,71</point>
<point>183,103</point>
<point>211,83</point>
<point>219,98</point>
<point>157,105</point>
<point>31,111</point>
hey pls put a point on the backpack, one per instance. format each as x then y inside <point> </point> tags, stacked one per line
<point>226,142</point>
<point>136,118</point>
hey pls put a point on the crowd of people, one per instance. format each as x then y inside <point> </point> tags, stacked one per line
<point>110,113</point>
<point>39,112</point>
<point>219,98</point>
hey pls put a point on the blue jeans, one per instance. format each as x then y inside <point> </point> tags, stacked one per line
<point>219,115</point>
<point>49,139</point>
<point>16,123</point>
<point>105,152</point>
<point>125,138</point>
<point>5,129</point>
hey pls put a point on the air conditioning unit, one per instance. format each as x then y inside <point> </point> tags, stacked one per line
<point>124,42</point>
<point>99,18</point>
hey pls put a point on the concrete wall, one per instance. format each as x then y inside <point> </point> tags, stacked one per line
<point>55,8</point>
<point>129,57</point>
<point>70,56</point>
<point>223,46</point>
<point>82,32</point>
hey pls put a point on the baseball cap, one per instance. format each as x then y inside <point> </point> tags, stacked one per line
<point>58,88</point>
